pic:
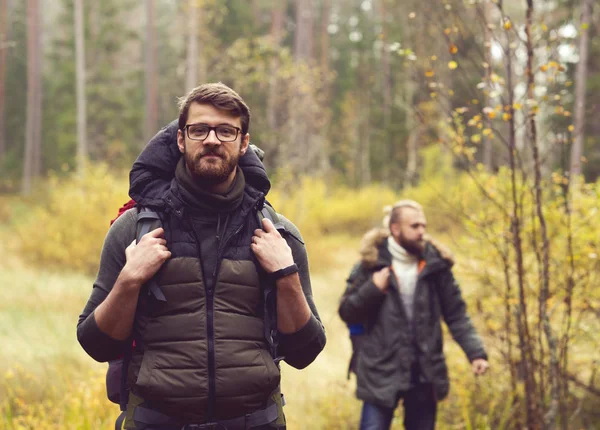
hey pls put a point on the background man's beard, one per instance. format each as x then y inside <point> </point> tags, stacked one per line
<point>414,247</point>
<point>209,173</point>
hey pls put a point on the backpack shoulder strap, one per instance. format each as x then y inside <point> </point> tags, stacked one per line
<point>269,289</point>
<point>148,220</point>
<point>268,212</point>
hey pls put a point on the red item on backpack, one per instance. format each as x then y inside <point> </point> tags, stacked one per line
<point>123,209</point>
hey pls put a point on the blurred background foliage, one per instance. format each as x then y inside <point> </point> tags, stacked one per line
<point>480,110</point>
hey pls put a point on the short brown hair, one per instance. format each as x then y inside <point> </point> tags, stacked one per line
<point>219,96</point>
<point>393,213</point>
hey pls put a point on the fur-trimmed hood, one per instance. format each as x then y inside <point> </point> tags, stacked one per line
<point>375,238</point>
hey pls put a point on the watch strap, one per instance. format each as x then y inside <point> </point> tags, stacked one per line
<point>284,272</point>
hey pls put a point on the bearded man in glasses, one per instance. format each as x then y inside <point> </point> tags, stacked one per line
<point>209,301</point>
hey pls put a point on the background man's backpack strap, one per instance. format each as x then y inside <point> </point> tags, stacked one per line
<point>269,290</point>
<point>356,330</point>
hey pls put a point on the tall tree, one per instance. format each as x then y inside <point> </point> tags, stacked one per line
<point>32,163</point>
<point>191,77</point>
<point>303,38</point>
<point>326,11</point>
<point>386,74</point>
<point>82,151</point>
<point>3,51</point>
<point>580,82</point>
<point>303,50</point>
<point>277,19</point>
<point>151,72</point>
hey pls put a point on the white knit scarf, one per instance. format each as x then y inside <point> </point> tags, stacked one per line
<point>406,268</point>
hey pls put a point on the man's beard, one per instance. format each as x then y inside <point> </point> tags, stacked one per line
<point>413,247</point>
<point>211,173</point>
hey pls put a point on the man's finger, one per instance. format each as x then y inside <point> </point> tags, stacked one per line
<point>268,225</point>
<point>157,232</point>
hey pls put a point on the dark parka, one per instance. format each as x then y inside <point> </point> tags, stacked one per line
<point>383,368</point>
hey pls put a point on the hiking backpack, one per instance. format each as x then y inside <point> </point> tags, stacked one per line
<point>355,331</point>
<point>116,376</point>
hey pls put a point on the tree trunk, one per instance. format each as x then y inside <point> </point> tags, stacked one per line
<point>550,416</point>
<point>300,133</point>
<point>33,124</point>
<point>386,74</point>
<point>531,400</point>
<point>151,73</point>
<point>580,81</point>
<point>255,14</point>
<point>487,140</point>
<point>3,52</point>
<point>191,77</point>
<point>303,38</point>
<point>277,17</point>
<point>412,151</point>
<point>364,149</point>
<point>82,150</point>
<point>326,11</point>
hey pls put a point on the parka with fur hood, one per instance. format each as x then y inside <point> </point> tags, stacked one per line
<point>384,364</point>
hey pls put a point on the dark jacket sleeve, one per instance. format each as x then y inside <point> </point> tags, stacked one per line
<point>301,348</point>
<point>97,344</point>
<point>454,311</point>
<point>361,298</point>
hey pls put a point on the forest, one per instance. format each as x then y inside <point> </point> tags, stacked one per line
<point>483,111</point>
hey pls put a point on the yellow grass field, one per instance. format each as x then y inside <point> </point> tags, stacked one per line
<point>48,382</point>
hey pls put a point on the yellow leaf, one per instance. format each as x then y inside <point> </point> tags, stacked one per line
<point>433,57</point>
<point>567,113</point>
<point>487,131</point>
<point>507,24</point>
<point>453,48</point>
<point>544,27</point>
<point>447,31</point>
<point>544,67</point>
<point>430,73</point>
<point>571,128</point>
<point>506,116</point>
<point>452,65</point>
<point>476,138</point>
<point>517,106</point>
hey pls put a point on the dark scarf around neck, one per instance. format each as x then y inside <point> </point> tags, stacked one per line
<point>199,198</point>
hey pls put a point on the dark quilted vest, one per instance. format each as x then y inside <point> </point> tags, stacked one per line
<point>202,354</point>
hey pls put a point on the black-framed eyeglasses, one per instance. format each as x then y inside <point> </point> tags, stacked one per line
<point>224,132</point>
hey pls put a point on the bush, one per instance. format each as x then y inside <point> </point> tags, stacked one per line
<point>66,229</point>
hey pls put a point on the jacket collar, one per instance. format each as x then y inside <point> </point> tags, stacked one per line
<point>375,254</point>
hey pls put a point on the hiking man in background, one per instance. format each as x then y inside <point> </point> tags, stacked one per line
<point>190,295</point>
<point>399,292</point>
